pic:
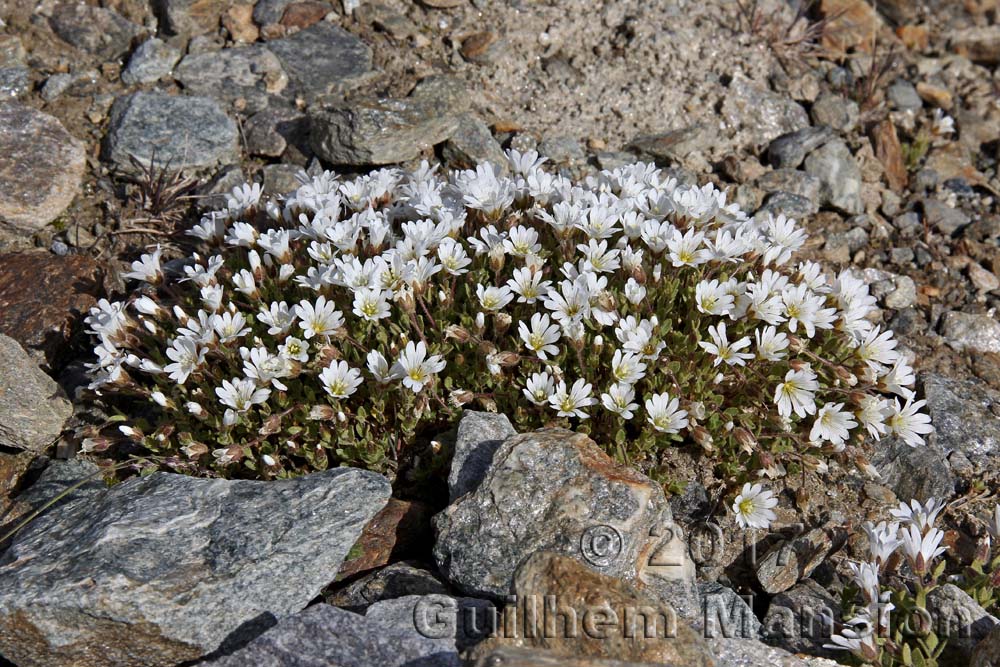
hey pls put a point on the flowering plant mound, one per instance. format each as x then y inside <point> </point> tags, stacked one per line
<point>332,325</point>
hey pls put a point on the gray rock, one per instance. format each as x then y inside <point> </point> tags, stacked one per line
<point>58,477</point>
<point>247,73</point>
<point>215,193</point>
<point>914,472</point>
<point>796,622</point>
<point>987,652</point>
<point>151,61</point>
<point>167,568</point>
<point>384,131</point>
<point>186,133</point>
<point>789,150</point>
<point>392,581</point>
<point>961,620</point>
<point>188,17</point>
<point>452,624</point>
<point>790,561</point>
<point>903,95</point>
<point>56,85</point>
<point>323,635</point>
<point>95,30</point>
<point>673,145</point>
<point>323,61</point>
<point>14,81</point>
<point>614,159</point>
<point>472,143</point>
<point>964,415</point>
<point>281,178</point>
<point>903,295</point>
<point>839,176</point>
<point>42,167</point>
<point>269,12</point>
<point>516,656</point>
<point>789,205</point>
<point>835,111</point>
<point>11,51</point>
<point>270,132</point>
<point>725,614</point>
<point>970,331</point>
<point>558,491</point>
<point>479,436</point>
<point>942,217</point>
<point>790,180</point>
<point>33,409</point>
<point>749,653</point>
<point>562,150</point>
<point>761,114</point>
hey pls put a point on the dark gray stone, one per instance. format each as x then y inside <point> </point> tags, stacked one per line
<point>965,415</point>
<point>789,205</point>
<point>942,217</point>
<point>791,180</point>
<point>971,331</point>
<point>392,581</point>
<point>33,409</point>
<point>270,132</point>
<point>323,636</point>
<point>472,143</point>
<point>790,150</point>
<point>183,132</point>
<point>56,85</point>
<point>168,568</point>
<point>479,436</point>
<point>95,30</point>
<point>959,619</point>
<point>839,176</point>
<point>725,614</point>
<point>903,95</point>
<point>14,81</point>
<point>987,652</point>
<point>150,62</point>
<point>323,61</point>
<point>558,491</point>
<point>674,145</point>
<point>795,619</point>
<point>789,561</point>
<point>247,73</point>
<point>281,178</point>
<point>42,167</point>
<point>914,472</point>
<point>453,624</point>
<point>269,12</point>
<point>562,150</point>
<point>835,111</point>
<point>188,17</point>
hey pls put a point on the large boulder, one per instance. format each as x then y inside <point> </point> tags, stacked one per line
<point>479,436</point>
<point>323,61</point>
<point>33,409</point>
<point>166,568</point>
<point>556,490</point>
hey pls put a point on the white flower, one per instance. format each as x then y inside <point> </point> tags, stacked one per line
<point>832,424</point>
<point>627,367</point>
<point>277,316</point>
<point>754,506</point>
<point>522,241</point>
<point>858,637</point>
<point>539,387</point>
<point>723,350</point>
<point>898,379</point>
<point>241,394</point>
<point>598,258</point>
<point>147,267</point>
<point>541,337</point>
<point>186,356</point>
<point>244,283</point>
<point>909,424</point>
<point>453,257</point>
<point>371,304</point>
<point>942,125</point>
<point>921,515</point>
<point>243,197</point>
<point>619,400</point>
<point>340,380</point>
<point>415,367</point>
<point>294,349</point>
<point>379,368</point>
<point>493,298</point>
<point>211,297</point>
<point>877,350</point>
<point>883,539</point>
<point>528,285</point>
<point>266,368</point>
<point>795,394</point>
<point>663,413</point>
<point>319,319</point>
<point>686,250</point>
<point>783,239</point>
<point>771,344</point>
<point>921,549</point>
<point>230,326</point>
<point>569,402</point>
<point>634,292</point>
<point>872,411</point>
<point>712,298</point>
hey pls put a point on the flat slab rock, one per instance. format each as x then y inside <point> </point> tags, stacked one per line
<point>164,569</point>
<point>556,490</point>
<point>33,409</point>
<point>41,170</point>
<point>323,61</point>
<point>182,132</point>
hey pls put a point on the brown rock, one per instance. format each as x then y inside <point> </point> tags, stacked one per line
<point>443,4</point>
<point>612,619</point>
<point>914,37</point>
<point>790,561</point>
<point>480,47</point>
<point>508,656</point>
<point>980,45</point>
<point>851,24</point>
<point>12,469</point>
<point>401,530</point>
<point>936,95</point>
<point>982,280</point>
<point>987,652</point>
<point>890,154</point>
<point>304,14</point>
<point>238,20</point>
<point>42,297</point>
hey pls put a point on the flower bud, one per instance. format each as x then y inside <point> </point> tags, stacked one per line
<point>271,425</point>
<point>795,344</point>
<point>497,260</point>
<point>746,441</point>
<point>704,439</point>
<point>501,322</point>
<point>321,412</point>
<point>194,450</point>
<point>404,298</point>
<point>480,322</point>
<point>460,397</point>
<point>598,342</point>
<point>457,333</point>
<point>507,359</point>
<point>844,375</point>
<point>798,364</point>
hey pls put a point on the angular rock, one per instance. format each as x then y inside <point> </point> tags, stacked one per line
<point>512,656</point>
<point>789,205</point>
<point>970,331</point>
<point>304,14</point>
<point>790,180</point>
<point>95,30</point>
<point>453,624</point>
<point>942,217</point>
<point>479,436</point>
<point>890,153</point>
<point>12,470</point>
<point>151,61</point>
<point>853,24</point>
<point>393,581</point>
<point>673,145</point>
<point>43,297</point>
<point>557,490</point>
<point>749,653</point>
<point>961,620</point>
<point>835,111</point>
<point>189,17</point>
<point>903,95</point>
<point>401,529</point>
<point>725,614</point>
<point>914,472</point>
<point>247,73</point>
<point>472,143</point>
<point>33,409</point>
<point>980,44</point>
<point>269,12</point>
<point>270,132</point>
<point>325,635</point>
<point>42,167</point>
<point>789,561</point>
<point>56,85</point>
<point>607,617</point>
<point>238,22</point>
<point>789,150</point>
<point>14,81</point>
<point>987,652</point>
<point>761,114</point>
<point>384,131</point>
<point>839,176</point>
<point>964,414</point>
<point>323,61</point>
<point>182,132</point>
<point>795,619</point>
<point>281,178</point>
<point>167,568</point>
